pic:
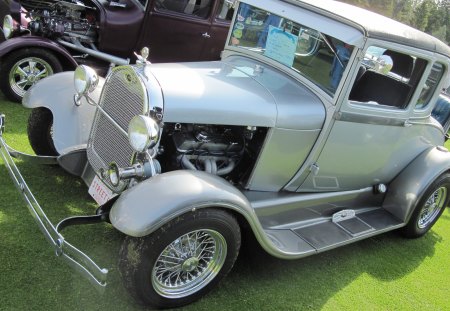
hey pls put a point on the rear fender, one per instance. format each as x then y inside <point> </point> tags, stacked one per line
<point>71,123</point>
<point>409,186</point>
<point>17,43</point>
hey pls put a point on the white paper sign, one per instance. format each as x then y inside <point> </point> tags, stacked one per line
<point>281,46</point>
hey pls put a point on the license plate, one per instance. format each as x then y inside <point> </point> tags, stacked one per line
<point>100,192</point>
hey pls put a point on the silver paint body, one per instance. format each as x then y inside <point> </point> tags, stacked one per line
<point>322,154</point>
<point>71,124</point>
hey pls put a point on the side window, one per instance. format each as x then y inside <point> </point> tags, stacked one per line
<point>198,8</point>
<point>387,78</point>
<point>437,71</point>
<point>226,10</point>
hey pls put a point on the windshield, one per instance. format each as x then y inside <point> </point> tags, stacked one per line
<point>317,56</point>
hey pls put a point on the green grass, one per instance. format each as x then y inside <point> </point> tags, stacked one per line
<point>386,272</point>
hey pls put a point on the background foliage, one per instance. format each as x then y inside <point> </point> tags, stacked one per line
<point>430,16</point>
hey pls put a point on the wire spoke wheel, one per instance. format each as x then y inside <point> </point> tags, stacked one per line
<point>429,208</point>
<point>189,263</point>
<point>181,261</point>
<point>432,207</point>
<point>27,72</point>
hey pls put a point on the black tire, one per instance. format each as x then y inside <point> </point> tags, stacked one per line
<point>12,84</point>
<point>430,207</point>
<point>141,258</point>
<point>40,127</point>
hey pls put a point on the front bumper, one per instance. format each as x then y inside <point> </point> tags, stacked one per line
<point>63,249</point>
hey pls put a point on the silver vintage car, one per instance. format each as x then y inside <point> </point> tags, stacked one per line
<point>298,133</point>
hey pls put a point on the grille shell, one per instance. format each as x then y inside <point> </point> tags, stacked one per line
<point>124,96</point>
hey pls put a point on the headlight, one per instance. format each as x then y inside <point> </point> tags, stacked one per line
<point>8,26</point>
<point>143,133</point>
<point>85,79</point>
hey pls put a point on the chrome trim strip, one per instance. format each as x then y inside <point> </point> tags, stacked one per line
<point>369,119</point>
<point>151,80</point>
<point>74,257</point>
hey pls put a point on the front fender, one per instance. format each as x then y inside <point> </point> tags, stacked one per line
<point>147,206</point>
<point>408,187</point>
<point>71,123</point>
<point>16,43</point>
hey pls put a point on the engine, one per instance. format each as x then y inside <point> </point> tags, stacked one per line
<point>71,20</point>
<point>227,151</point>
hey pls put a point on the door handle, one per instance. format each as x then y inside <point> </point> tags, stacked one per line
<point>206,35</point>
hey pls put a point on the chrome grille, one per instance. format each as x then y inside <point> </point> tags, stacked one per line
<point>123,97</point>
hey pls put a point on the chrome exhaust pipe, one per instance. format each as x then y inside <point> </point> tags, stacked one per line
<point>103,56</point>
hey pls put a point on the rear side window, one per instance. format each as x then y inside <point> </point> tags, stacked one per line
<point>435,76</point>
<point>198,8</point>
<point>387,78</point>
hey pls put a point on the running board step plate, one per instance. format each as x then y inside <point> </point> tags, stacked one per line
<point>344,228</point>
<point>330,234</point>
<point>350,223</point>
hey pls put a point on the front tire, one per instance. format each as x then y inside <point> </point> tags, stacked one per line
<point>181,261</point>
<point>430,208</point>
<point>40,132</point>
<point>23,68</point>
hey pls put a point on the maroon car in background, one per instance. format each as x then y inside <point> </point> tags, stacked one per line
<point>43,37</point>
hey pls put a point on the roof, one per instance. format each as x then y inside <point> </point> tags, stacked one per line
<point>375,25</point>
<point>329,25</point>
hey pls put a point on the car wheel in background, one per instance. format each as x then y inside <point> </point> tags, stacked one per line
<point>23,68</point>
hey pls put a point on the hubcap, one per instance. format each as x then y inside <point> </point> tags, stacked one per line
<point>27,72</point>
<point>432,207</point>
<point>189,263</point>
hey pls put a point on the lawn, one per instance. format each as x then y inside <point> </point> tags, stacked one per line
<point>386,272</point>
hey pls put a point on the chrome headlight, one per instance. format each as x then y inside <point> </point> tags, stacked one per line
<point>143,133</point>
<point>85,79</point>
<point>8,26</point>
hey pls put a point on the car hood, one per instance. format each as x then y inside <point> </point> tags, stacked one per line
<point>237,91</point>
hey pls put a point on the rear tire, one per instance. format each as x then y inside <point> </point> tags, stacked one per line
<point>40,132</point>
<point>21,69</point>
<point>181,261</point>
<point>430,207</point>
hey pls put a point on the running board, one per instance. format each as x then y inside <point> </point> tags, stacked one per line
<point>343,228</point>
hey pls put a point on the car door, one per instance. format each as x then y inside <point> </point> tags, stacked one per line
<point>178,30</point>
<point>375,134</point>
<point>218,31</point>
